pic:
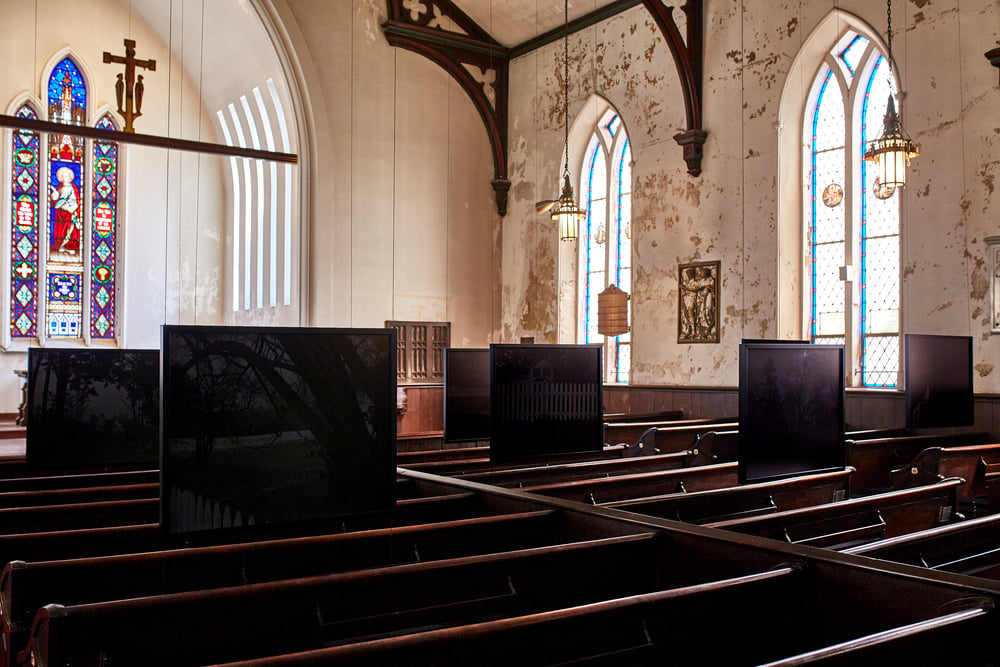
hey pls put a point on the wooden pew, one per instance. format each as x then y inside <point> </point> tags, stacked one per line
<point>770,617</point>
<point>89,540</point>
<point>87,494</point>
<point>965,547</point>
<point>545,474</point>
<point>974,463</point>
<point>844,524</point>
<point>409,459</point>
<point>780,599</point>
<point>77,515</point>
<point>745,500</point>
<point>78,480</point>
<point>456,467</point>
<point>640,485</point>
<point>658,629</point>
<point>241,621</point>
<point>876,458</point>
<point>627,417</point>
<point>664,437</point>
<point>25,587</point>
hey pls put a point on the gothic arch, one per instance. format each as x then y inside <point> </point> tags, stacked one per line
<point>791,189</point>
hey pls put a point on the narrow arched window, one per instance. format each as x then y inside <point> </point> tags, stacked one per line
<point>104,235</point>
<point>65,194</point>
<point>853,225</point>
<point>24,206</point>
<point>606,241</point>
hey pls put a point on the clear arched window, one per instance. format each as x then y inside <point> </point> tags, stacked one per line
<point>853,225</point>
<point>606,239</point>
<point>64,231</point>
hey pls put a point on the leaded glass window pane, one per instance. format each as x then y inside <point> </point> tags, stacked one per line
<point>880,361</point>
<point>851,56</point>
<point>24,189</point>
<point>879,250</point>
<point>595,261</point>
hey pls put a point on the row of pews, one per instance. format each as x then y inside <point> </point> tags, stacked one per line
<point>629,556</point>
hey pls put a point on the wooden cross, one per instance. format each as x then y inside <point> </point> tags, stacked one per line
<point>129,89</point>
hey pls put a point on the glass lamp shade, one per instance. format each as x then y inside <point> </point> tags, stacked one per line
<point>892,151</point>
<point>567,213</point>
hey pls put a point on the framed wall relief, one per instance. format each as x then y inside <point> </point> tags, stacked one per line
<point>698,302</point>
<point>993,248</point>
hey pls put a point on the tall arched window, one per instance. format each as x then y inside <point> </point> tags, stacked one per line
<point>64,232</point>
<point>853,224</point>
<point>606,241</point>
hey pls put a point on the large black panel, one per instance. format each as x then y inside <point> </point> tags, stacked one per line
<point>545,400</point>
<point>274,428</point>
<point>92,408</point>
<point>791,410</point>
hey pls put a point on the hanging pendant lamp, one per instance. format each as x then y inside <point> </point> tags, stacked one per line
<point>564,209</point>
<point>893,149</point>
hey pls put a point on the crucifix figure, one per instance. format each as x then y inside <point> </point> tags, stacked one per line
<point>128,90</point>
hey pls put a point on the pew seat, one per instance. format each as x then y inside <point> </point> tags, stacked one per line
<point>745,500</point>
<point>844,524</point>
<point>977,464</point>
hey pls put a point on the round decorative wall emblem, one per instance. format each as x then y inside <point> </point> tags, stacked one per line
<point>833,194</point>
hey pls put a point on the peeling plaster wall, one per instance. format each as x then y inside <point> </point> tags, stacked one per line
<point>404,221</point>
<point>731,212</point>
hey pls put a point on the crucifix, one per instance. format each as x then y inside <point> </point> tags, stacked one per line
<point>129,90</point>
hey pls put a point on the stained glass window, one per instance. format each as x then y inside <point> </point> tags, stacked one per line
<point>24,171</point>
<point>64,250</point>
<point>853,235</point>
<point>606,241</point>
<point>103,235</point>
<point>67,99</point>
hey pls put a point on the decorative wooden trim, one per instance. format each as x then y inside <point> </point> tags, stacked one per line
<point>441,32</point>
<point>689,58</point>
<point>577,24</point>
<point>50,127</point>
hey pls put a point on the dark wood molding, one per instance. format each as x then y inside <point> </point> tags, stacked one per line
<point>456,53</point>
<point>993,55</point>
<point>689,59</point>
<point>49,127</point>
<point>574,26</point>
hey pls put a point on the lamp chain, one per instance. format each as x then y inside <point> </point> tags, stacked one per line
<point>566,88</point>
<point>888,31</point>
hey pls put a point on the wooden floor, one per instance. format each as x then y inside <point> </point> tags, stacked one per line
<point>11,438</point>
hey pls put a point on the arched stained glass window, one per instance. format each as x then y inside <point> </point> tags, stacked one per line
<point>24,171</point>
<point>853,224</point>
<point>67,100</point>
<point>64,232</point>
<point>606,242</point>
<point>104,235</point>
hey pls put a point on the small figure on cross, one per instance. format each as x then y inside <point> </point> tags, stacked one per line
<point>129,89</point>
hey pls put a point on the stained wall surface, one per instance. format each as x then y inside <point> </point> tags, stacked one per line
<point>745,209</point>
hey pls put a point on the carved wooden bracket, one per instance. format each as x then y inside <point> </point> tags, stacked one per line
<point>443,33</point>
<point>993,55</point>
<point>440,31</point>
<point>689,58</point>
